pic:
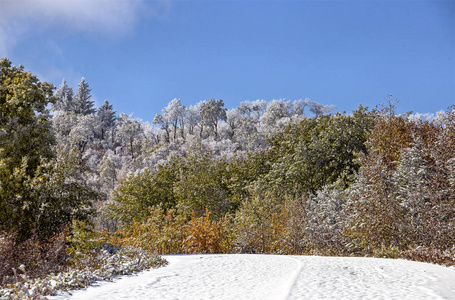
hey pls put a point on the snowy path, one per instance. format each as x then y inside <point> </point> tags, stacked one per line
<point>242,276</point>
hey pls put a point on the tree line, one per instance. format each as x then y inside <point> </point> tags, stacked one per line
<point>276,176</point>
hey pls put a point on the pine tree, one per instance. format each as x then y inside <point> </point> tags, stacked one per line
<point>82,103</point>
<point>64,98</point>
<point>106,118</point>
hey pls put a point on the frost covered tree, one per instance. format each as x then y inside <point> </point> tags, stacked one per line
<point>81,100</point>
<point>298,107</point>
<point>106,119</point>
<point>249,130</point>
<point>152,134</point>
<point>64,98</point>
<point>212,113</point>
<point>410,183</point>
<point>62,123</point>
<point>67,194</point>
<point>83,132</point>
<point>324,221</point>
<point>276,110</point>
<point>174,114</point>
<point>109,167</point>
<point>130,134</point>
<point>164,124</point>
<point>402,197</point>
<point>233,120</point>
<point>193,117</point>
<point>256,108</point>
<point>319,109</point>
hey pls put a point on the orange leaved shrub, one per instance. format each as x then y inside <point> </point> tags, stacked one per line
<point>160,232</point>
<point>207,236</point>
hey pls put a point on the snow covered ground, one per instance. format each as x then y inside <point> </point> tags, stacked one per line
<point>247,276</point>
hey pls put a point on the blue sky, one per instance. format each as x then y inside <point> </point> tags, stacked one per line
<point>141,54</point>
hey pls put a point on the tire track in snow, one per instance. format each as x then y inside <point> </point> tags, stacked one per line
<point>287,288</point>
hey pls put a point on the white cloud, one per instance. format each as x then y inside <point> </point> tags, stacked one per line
<point>111,17</point>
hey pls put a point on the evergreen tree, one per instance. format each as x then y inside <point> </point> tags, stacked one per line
<point>64,98</point>
<point>25,130</point>
<point>25,141</point>
<point>82,103</point>
<point>106,118</point>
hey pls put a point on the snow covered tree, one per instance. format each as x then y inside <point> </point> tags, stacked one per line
<point>256,108</point>
<point>81,100</point>
<point>63,123</point>
<point>83,132</point>
<point>106,119</point>
<point>410,183</point>
<point>130,134</point>
<point>193,117</point>
<point>64,98</point>
<point>164,125</point>
<point>212,112</point>
<point>174,115</point>
<point>377,217</point>
<point>233,120</point>
<point>109,168</point>
<point>276,110</point>
<point>66,194</point>
<point>152,135</point>
<point>323,221</point>
<point>298,107</point>
<point>249,131</point>
<point>319,109</point>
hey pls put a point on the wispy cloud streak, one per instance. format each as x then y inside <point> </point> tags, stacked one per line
<point>111,17</point>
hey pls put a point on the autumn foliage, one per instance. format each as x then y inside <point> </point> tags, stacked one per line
<point>161,232</point>
<point>206,235</point>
